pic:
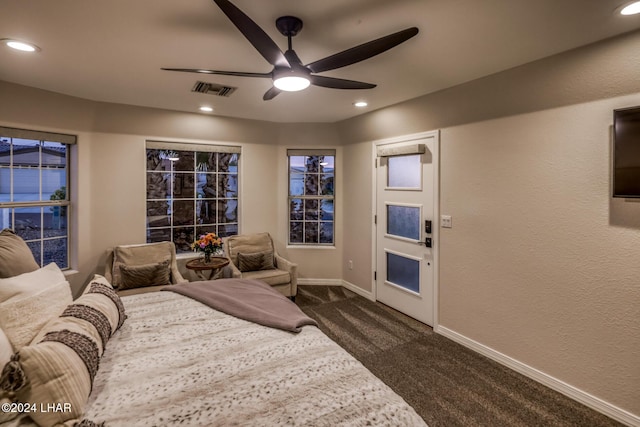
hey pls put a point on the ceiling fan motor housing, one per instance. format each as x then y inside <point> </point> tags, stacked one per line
<point>289,26</point>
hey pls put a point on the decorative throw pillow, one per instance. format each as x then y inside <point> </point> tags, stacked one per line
<point>99,305</point>
<point>139,276</point>
<point>61,363</point>
<point>255,261</point>
<point>15,256</point>
<point>30,300</point>
<point>138,255</point>
<point>20,286</point>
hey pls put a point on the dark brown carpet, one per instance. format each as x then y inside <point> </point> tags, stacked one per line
<point>446,383</point>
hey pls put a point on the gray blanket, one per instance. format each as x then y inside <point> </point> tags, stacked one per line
<point>251,300</point>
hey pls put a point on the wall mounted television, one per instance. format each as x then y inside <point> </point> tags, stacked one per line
<point>626,152</point>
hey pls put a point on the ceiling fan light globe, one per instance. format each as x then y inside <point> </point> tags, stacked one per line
<point>291,83</point>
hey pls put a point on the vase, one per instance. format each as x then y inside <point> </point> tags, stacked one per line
<point>207,257</point>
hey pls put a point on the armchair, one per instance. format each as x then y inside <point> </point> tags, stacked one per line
<point>253,256</point>
<point>142,268</point>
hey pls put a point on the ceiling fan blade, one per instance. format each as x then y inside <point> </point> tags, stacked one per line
<point>271,93</point>
<point>222,73</point>
<point>362,52</point>
<point>256,35</point>
<point>333,83</point>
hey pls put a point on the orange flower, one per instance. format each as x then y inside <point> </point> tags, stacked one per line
<point>207,243</point>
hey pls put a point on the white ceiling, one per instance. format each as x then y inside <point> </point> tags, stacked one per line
<point>113,50</point>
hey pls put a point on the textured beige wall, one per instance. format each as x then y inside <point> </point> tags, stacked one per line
<point>313,262</point>
<point>599,71</point>
<point>358,218</point>
<point>541,264</point>
<point>128,119</point>
<point>534,266</point>
<point>35,108</point>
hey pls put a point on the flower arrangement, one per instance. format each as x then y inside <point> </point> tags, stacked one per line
<point>209,243</point>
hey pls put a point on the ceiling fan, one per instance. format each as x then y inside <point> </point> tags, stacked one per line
<point>289,74</point>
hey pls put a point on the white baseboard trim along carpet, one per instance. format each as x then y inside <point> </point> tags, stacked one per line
<point>574,393</point>
<point>319,282</point>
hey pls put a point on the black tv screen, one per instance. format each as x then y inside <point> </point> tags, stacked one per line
<point>626,152</point>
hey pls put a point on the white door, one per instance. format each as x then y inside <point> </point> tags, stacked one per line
<point>406,225</point>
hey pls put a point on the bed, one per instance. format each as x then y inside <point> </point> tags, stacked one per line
<point>177,361</point>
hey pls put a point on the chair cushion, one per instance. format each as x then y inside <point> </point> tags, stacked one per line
<point>271,277</point>
<point>15,256</point>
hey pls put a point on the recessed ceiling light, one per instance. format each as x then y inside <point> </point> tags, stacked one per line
<point>206,109</point>
<point>360,104</point>
<point>20,45</point>
<point>631,9</point>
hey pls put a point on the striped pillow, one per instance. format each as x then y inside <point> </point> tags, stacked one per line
<point>62,360</point>
<point>139,276</point>
<point>255,261</point>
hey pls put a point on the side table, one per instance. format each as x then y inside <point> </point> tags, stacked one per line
<point>214,267</point>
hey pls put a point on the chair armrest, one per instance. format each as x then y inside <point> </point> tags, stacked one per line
<point>292,268</point>
<point>108,267</point>
<point>235,272</point>
<point>285,264</point>
<point>176,275</point>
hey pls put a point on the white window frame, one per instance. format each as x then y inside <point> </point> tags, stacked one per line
<point>191,147</point>
<point>311,152</point>
<point>10,134</point>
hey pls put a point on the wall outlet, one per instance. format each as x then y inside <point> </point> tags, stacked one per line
<point>350,263</point>
<point>445,221</point>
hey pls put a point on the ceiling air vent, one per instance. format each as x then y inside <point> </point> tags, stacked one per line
<point>213,89</point>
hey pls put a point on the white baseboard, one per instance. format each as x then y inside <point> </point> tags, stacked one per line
<point>320,282</point>
<point>337,282</point>
<point>574,393</point>
<point>358,290</point>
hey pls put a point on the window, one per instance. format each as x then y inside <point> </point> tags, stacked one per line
<point>34,191</point>
<point>311,196</point>
<point>192,189</point>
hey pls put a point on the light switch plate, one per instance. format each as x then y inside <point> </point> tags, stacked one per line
<point>445,221</point>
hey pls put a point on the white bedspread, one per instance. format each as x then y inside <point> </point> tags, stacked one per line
<point>176,361</point>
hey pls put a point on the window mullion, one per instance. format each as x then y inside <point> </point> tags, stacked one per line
<point>34,204</point>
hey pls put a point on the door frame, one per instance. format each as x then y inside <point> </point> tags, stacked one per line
<point>435,134</point>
